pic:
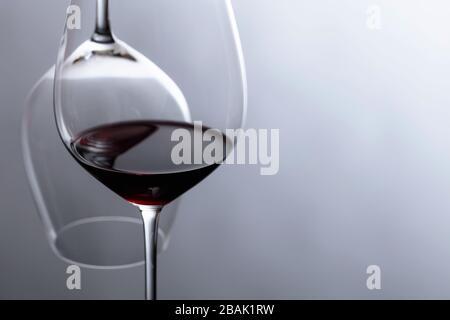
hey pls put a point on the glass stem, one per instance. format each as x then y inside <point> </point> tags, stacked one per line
<point>150,217</point>
<point>102,32</point>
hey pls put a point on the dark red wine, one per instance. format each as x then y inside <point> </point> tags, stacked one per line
<point>133,159</point>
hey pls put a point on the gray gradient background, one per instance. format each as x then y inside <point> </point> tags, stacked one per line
<point>365,162</point>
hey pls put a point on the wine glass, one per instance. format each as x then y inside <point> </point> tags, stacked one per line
<point>128,123</point>
<point>99,232</point>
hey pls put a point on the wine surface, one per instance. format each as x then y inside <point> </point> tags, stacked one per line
<point>134,159</point>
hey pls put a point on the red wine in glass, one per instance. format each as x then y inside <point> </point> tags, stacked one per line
<point>133,159</point>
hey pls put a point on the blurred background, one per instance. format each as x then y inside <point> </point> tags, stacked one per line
<point>363,112</point>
